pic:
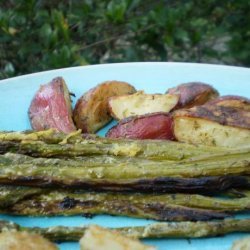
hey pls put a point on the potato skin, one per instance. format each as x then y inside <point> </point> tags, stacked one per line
<point>51,107</point>
<point>193,94</point>
<point>223,115</point>
<point>149,126</point>
<point>91,111</point>
<point>232,101</point>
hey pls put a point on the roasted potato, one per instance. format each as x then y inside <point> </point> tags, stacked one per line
<point>149,126</point>
<point>241,244</point>
<point>193,94</point>
<point>232,101</point>
<point>51,107</point>
<point>24,241</point>
<point>91,111</point>
<point>98,238</point>
<point>213,125</point>
<point>140,103</point>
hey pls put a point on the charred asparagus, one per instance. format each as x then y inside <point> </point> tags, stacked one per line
<point>159,207</point>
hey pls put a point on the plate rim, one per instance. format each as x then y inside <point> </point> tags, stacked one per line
<point>106,65</point>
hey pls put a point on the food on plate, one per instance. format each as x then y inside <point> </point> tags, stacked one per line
<point>99,238</point>
<point>213,125</point>
<point>91,111</point>
<point>232,101</point>
<point>241,244</point>
<point>163,207</point>
<point>60,171</point>
<point>29,143</point>
<point>193,94</point>
<point>181,176</point>
<point>68,202</point>
<point>24,241</point>
<point>51,107</point>
<point>149,126</point>
<point>11,195</point>
<point>140,103</point>
<point>185,229</point>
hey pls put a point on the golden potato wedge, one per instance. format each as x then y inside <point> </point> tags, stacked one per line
<point>193,94</point>
<point>241,244</point>
<point>24,241</point>
<point>213,125</point>
<point>121,107</point>
<point>98,238</point>
<point>232,101</point>
<point>91,111</point>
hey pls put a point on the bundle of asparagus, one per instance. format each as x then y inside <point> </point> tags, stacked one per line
<point>49,173</point>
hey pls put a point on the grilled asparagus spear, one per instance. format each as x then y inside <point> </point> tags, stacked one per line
<point>69,203</point>
<point>159,207</point>
<point>9,195</point>
<point>47,144</point>
<point>185,229</point>
<point>223,173</point>
<point>17,165</point>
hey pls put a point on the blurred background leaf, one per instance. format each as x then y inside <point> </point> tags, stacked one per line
<point>37,35</point>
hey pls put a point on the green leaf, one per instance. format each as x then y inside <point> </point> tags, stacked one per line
<point>116,11</point>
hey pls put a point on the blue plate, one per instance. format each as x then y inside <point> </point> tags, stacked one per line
<point>16,94</point>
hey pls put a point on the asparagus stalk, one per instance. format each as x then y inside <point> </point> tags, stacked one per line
<point>161,207</point>
<point>158,207</point>
<point>230,165</point>
<point>75,145</point>
<point>51,136</point>
<point>220,174</point>
<point>157,230</point>
<point>11,195</point>
<point>48,136</point>
<point>82,161</point>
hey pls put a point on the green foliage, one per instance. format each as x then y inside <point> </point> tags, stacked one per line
<point>44,34</point>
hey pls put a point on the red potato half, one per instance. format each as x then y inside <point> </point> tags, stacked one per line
<point>193,94</point>
<point>51,107</point>
<point>149,126</point>
<point>232,101</point>
<point>121,107</point>
<point>91,111</point>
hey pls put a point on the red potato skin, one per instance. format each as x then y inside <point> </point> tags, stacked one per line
<point>51,107</point>
<point>150,126</point>
<point>193,94</point>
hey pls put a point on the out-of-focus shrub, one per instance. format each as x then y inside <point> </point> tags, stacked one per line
<point>37,35</point>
